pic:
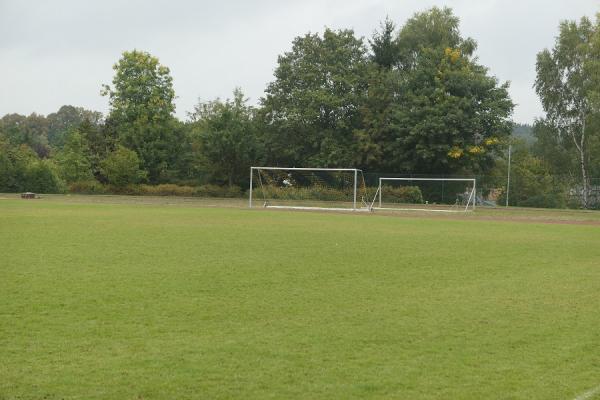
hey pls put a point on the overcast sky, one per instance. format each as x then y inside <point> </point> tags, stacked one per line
<point>60,52</point>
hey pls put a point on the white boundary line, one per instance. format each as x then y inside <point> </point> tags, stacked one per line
<point>589,394</point>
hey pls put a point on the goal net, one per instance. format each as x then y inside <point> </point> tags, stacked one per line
<point>426,194</point>
<point>308,188</point>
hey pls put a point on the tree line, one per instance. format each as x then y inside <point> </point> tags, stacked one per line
<point>409,99</point>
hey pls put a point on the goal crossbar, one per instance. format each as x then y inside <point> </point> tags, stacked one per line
<point>470,200</point>
<point>305,169</point>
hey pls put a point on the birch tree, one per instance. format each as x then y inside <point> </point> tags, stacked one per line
<point>568,84</point>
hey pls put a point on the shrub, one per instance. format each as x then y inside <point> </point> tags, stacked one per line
<point>532,185</point>
<point>545,200</point>
<point>122,167</point>
<point>129,190</point>
<point>403,194</point>
<point>7,173</point>
<point>41,176</point>
<point>88,187</point>
<point>316,193</point>
<point>166,189</point>
<point>73,160</point>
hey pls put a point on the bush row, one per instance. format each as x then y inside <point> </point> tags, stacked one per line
<point>168,189</point>
<point>39,176</point>
<point>305,193</point>
<point>404,194</point>
<point>407,194</point>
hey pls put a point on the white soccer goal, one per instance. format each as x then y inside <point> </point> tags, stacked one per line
<point>426,194</point>
<point>336,189</point>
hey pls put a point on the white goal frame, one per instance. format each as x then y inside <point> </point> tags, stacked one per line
<point>470,201</point>
<point>355,188</point>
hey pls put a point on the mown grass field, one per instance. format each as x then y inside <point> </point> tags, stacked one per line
<point>188,301</point>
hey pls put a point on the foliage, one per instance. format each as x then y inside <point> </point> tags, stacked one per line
<point>554,149</point>
<point>226,137</point>
<point>316,192</point>
<point>73,159</point>
<point>7,168</point>
<point>165,189</point>
<point>22,157</point>
<point>29,130</point>
<point>568,83</point>
<point>403,194</point>
<point>524,132</point>
<point>22,170</point>
<point>373,138</point>
<point>122,167</point>
<point>452,114</point>
<point>45,133</point>
<point>434,30</point>
<point>414,100</point>
<point>142,88</point>
<point>41,176</point>
<point>311,109</point>
<point>141,110</point>
<point>99,141</point>
<point>384,47</point>
<point>65,120</point>
<point>88,187</point>
<point>435,110</point>
<point>532,184</point>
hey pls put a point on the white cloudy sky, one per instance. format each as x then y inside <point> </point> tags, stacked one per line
<point>61,51</point>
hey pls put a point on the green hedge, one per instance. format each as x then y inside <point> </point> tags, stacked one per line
<point>402,194</point>
<point>88,187</point>
<point>41,177</point>
<point>168,189</point>
<point>405,194</point>
<point>545,200</point>
<point>305,193</point>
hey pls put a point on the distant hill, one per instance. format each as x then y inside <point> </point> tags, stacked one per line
<point>524,132</point>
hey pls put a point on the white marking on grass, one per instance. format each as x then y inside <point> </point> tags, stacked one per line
<point>589,394</point>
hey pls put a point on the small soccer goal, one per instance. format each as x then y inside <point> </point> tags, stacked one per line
<point>334,189</point>
<point>426,194</point>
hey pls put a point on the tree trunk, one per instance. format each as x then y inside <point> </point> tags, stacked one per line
<point>581,148</point>
<point>584,177</point>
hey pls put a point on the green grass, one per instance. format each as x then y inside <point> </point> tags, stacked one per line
<point>151,301</point>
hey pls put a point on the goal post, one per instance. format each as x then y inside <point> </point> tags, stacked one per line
<point>308,188</point>
<point>426,194</point>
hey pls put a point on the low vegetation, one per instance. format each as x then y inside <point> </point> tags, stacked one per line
<point>166,189</point>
